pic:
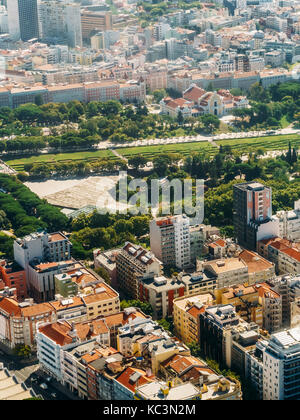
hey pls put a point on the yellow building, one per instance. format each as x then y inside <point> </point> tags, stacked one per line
<point>245,299</point>
<point>103,301</point>
<point>185,315</point>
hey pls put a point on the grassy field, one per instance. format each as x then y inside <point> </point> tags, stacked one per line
<point>18,164</point>
<point>246,145</point>
<point>268,143</point>
<point>182,148</point>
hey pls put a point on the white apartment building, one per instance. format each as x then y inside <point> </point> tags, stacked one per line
<point>13,19</point>
<point>60,20</point>
<point>170,240</point>
<point>54,339</point>
<point>289,223</point>
<point>281,363</point>
<point>42,246</point>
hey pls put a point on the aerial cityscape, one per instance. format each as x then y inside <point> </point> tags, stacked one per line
<point>149,201</point>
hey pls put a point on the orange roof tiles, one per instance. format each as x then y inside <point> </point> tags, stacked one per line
<point>56,237</point>
<point>10,306</point>
<point>255,262</point>
<point>58,306</point>
<point>194,311</point>
<point>194,93</point>
<point>264,290</point>
<point>124,378</point>
<point>60,331</point>
<point>294,253</point>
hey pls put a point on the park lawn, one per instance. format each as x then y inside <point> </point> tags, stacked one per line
<point>18,164</point>
<point>268,143</point>
<point>182,148</point>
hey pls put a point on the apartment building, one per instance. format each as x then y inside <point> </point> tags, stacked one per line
<point>70,309</point>
<point>133,90</point>
<point>252,213</point>
<point>136,334</point>
<point>215,324</point>
<point>54,338</point>
<point>115,321</point>
<point>259,268</point>
<point>271,302</point>
<point>53,247</point>
<point>133,262</point>
<point>23,19</point>
<point>80,361</point>
<point>281,366</point>
<point>170,240</point>
<point>160,292</point>
<point>73,370</point>
<point>93,22</point>
<point>102,366</point>
<point>284,254</point>
<point>199,234</point>
<point>244,299</point>
<point>18,321</point>
<point>84,92</point>
<point>40,276</point>
<point>65,286</point>
<point>107,261</point>
<point>288,287</point>
<point>289,223</point>
<point>104,301</point>
<point>227,272</point>
<point>14,276</point>
<point>186,313</point>
<point>198,282</point>
<point>60,21</point>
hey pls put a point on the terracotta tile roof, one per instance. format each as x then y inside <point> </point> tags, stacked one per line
<point>293,253</point>
<point>182,363</point>
<point>194,93</point>
<point>220,242</point>
<point>57,332</point>
<point>232,292</point>
<point>122,319</point>
<point>10,306</point>
<point>217,243</point>
<point>195,373</point>
<point>194,311</point>
<point>58,305</point>
<point>124,378</point>
<point>60,332</point>
<point>255,262</point>
<point>35,310</point>
<point>270,240</point>
<point>56,237</point>
<point>107,294</point>
<point>264,290</point>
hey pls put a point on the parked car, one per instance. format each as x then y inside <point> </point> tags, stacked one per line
<point>44,386</point>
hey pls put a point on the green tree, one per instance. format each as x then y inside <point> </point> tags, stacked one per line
<point>144,306</point>
<point>23,351</point>
<point>159,94</point>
